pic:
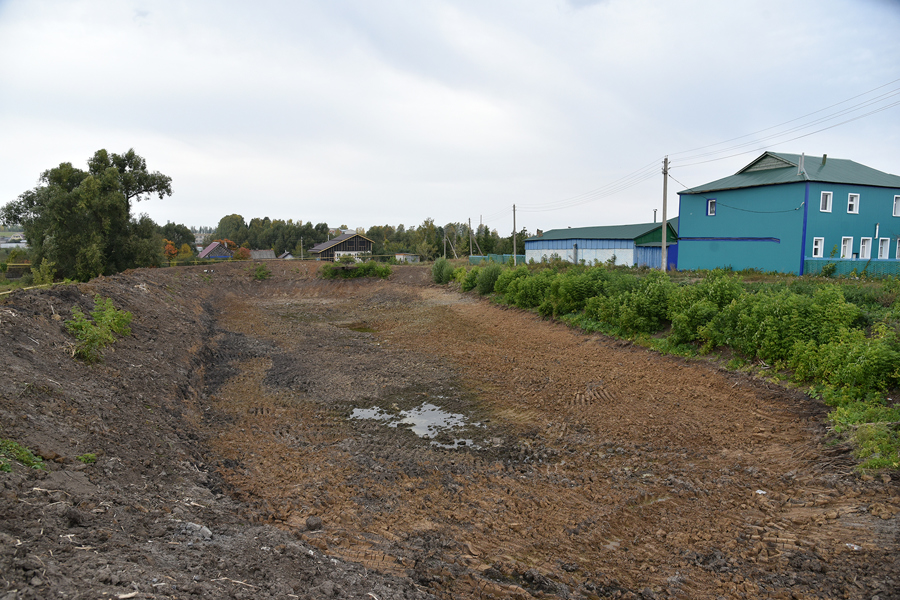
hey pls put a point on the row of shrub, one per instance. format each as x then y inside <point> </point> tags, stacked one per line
<point>846,347</point>
<point>353,270</point>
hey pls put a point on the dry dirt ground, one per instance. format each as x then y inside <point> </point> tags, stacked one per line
<point>300,438</point>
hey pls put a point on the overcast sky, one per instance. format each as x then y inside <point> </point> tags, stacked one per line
<point>373,112</point>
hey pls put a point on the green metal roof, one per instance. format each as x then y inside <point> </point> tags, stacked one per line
<point>773,168</point>
<point>606,232</point>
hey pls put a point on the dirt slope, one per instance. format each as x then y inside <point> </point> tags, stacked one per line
<point>258,439</point>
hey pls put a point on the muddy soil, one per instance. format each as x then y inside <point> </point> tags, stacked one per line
<point>300,438</point>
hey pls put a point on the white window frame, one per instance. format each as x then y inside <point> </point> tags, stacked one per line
<point>853,204</point>
<point>818,247</point>
<point>710,207</point>
<point>884,248</point>
<point>846,247</point>
<point>825,202</point>
<point>897,206</point>
<point>865,248</point>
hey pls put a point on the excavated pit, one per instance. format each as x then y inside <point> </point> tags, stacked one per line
<point>304,438</point>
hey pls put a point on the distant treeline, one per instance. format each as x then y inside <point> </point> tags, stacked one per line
<point>427,240</point>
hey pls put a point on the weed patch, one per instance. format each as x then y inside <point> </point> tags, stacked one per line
<point>261,273</point>
<point>13,451</point>
<point>100,331</point>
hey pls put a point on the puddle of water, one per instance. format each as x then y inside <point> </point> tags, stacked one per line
<point>426,421</point>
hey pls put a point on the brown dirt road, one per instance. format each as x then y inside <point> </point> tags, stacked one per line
<point>259,439</point>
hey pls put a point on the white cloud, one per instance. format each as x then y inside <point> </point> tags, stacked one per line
<point>369,113</point>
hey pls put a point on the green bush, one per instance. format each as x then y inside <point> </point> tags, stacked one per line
<point>851,361</point>
<point>366,269</point>
<point>687,321</point>
<point>470,280</point>
<point>576,287</point>
<point>766,325</point>
<point>644,309</point>
<point>261,272</point>
<point>507,276</point>
<point>487,278</point>
<point>459,275</point>
<point>693,306</point>
<point>532,290</point>
<point>94,335</point>
<point>442,271</point>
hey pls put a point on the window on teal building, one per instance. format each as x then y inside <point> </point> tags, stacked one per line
<point>865,248</point>
<point>819,247</point>
<point>846,247</point>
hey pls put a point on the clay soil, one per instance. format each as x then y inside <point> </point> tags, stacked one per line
<point>256,439</point>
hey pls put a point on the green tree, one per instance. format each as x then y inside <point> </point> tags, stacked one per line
<point>135,181</point>
<point>177,234</point>
<point>231,227</point>
<point>81,220</point>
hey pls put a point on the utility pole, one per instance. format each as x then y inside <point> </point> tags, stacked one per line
<point>301,247</point>
<point>514,235</point>
<point>665,226</point>
<point>470,236</point>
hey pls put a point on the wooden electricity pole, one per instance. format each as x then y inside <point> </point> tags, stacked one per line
<point>514,235</point>
<point>665,256</point>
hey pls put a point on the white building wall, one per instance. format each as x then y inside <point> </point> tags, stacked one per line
<point>623,256</point>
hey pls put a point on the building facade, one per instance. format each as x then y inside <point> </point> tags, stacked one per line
<point>633,245</point>
<point>347,244</point>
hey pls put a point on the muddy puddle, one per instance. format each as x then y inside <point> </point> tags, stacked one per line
<point>428,421</point>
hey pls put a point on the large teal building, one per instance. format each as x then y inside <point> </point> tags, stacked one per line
<point>792,214</point>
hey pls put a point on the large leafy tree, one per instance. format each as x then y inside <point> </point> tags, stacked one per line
<point>81,220</point>
<point>178,234</point>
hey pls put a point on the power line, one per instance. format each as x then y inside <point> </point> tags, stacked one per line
<point>856,118</point>
<point>759,212</point>
<point>835,115</point>
<point>650,170</point>
<point>788,122</point>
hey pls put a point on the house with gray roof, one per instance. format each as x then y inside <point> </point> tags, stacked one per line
<point>793,213</point>
<point>216,251</point>
<point>637,244</point>
<point>347,244</point>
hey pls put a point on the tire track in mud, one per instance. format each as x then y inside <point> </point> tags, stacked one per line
<point>601,470</point>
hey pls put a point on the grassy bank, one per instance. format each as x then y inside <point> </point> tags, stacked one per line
<point>837,339</point>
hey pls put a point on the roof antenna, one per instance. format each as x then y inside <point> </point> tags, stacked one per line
<point>800,166</point>
<point>824,158</point>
